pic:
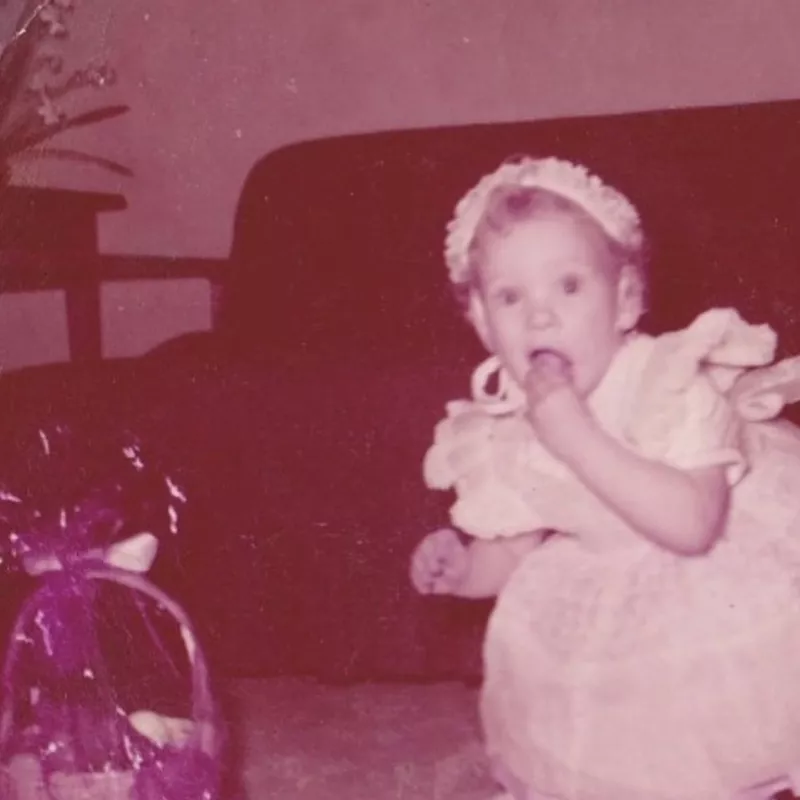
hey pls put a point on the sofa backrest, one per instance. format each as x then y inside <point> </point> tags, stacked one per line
<point>338,243</point>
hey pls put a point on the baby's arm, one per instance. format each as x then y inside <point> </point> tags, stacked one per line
<point>443,564</point>
<point>681,510</point>
<point>677,499</point>
<point>491,562</point>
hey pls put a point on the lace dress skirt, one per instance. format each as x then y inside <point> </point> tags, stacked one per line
<point>640,675</point>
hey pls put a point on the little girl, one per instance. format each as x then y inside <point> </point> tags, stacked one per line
<point>649,649</point>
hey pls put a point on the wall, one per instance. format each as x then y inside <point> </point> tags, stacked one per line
<point>214,86</point>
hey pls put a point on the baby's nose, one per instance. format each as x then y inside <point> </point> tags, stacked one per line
<point>539,315</point>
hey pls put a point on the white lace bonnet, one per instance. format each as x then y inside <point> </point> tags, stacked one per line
<point>611,209</point>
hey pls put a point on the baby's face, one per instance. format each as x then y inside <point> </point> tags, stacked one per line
<point>549,285</point>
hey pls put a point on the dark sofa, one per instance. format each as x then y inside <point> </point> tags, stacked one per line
<point>299,425</point>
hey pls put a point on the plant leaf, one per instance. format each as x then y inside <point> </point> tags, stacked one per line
<point>62,154</point>
<point>26,139</point>
<point>93,117</point>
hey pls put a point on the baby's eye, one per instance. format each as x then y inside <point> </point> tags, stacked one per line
<point>571,284</point>
<point>507,297</point>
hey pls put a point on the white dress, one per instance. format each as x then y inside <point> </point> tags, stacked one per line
<point>615,670</point>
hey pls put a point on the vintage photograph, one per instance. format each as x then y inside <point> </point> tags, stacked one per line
<point>400,400</point>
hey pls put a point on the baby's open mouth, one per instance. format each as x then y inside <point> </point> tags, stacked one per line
<point>549,356</point>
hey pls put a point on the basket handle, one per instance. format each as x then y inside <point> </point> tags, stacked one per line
<point>202,703</point>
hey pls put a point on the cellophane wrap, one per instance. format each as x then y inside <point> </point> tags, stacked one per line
<point>105,689</point>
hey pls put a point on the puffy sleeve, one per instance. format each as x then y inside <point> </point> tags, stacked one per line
<point>696,395</point>
<point>496,468</point>
<point>706,431</point>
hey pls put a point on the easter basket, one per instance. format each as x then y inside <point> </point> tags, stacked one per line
<point>174,757</point>
<point>79,693</point>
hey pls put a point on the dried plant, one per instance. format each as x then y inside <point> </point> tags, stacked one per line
<point>33,83</point>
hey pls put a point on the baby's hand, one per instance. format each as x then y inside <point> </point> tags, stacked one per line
<point>554,406</point>
<point>440,563</point>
